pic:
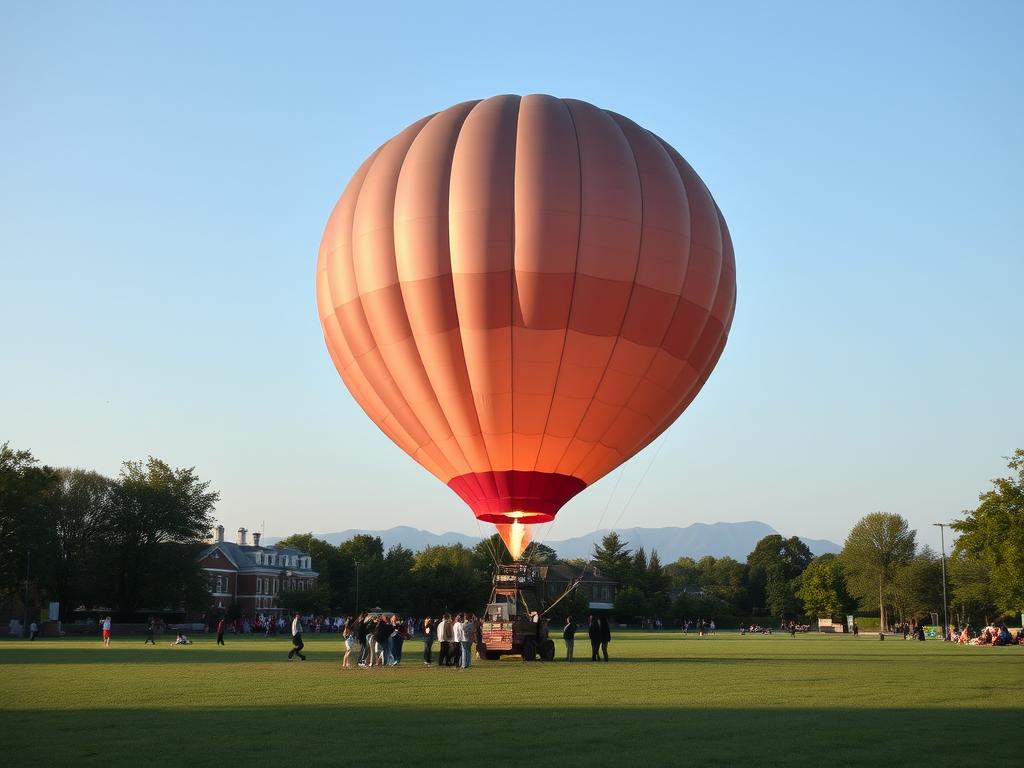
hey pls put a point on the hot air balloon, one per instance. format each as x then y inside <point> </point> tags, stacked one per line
<point>522,293</point>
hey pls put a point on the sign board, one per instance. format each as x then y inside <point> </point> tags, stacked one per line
<point>54,612</point>
<point>849,622</point>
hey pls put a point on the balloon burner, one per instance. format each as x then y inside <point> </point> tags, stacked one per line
<point>516,537</point>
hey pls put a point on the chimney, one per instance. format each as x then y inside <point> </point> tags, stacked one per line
<point>241,536</point>
<point>218,534</point>
<point>256,538</point>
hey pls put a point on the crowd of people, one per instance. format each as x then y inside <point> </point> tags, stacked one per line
<point>704,627</point>
<point>380,636</point>
<point>991,635</point>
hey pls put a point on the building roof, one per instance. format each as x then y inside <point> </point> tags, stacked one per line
<point>566,573</point>
<point>242,556</point>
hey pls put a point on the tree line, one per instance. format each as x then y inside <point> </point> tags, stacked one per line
<point>130,543</point>
<point>80,538</point>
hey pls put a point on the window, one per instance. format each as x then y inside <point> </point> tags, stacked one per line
<point>220,584</point>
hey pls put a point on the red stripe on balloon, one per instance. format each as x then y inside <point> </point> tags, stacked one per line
<point>516,491</point>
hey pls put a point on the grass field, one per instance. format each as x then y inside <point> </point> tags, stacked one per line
<point>662,700</point>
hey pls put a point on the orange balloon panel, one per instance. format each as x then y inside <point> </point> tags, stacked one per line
<point>523,292</point>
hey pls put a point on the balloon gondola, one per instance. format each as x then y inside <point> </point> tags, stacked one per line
<point>522,293</point>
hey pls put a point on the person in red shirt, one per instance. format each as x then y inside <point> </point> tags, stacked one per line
<point>220,631</point>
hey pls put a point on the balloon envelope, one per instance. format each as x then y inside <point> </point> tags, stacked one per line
<point>522,293</point>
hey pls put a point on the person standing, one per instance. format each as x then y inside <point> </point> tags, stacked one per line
<point>220,631</point>
<point>442,629</point>
<point>398,640</point>
<point>33,631</point>
<point>458,636</point>
<point>428,641</point>
<point>297,644</point>
<point>594,633</point>
<point>106,632</point>
<point>606,636</point>
<point>361,632</point>
<point>468,633</point>
<point>150,628</point>
<point>349,633</point>
<point>569,635</point>
<point>382,641</point>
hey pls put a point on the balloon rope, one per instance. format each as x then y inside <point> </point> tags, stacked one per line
<point>487,542</point>
<point>642,478</point>
<point>607,504</point>
<point>538,541</point>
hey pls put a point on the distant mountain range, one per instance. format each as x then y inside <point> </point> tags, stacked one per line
<point>735,540</point>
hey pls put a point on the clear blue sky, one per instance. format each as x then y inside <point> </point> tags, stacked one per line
<point>166,172</point>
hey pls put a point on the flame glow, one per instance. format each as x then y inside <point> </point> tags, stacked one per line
<point>516,537</point>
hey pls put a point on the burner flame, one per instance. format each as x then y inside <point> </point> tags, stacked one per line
<point>516,537</point>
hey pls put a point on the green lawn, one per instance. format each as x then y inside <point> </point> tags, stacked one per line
<point>662,700</point>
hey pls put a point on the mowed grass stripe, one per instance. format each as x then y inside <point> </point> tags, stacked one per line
<point>662,695</point>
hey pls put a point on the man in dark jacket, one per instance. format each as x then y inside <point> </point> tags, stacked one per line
<point>594,632</point>
<point>606,636</point>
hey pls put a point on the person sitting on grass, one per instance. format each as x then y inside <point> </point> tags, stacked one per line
<point>985,638</point>
<point>1002,636</point>
<point>181,639</point>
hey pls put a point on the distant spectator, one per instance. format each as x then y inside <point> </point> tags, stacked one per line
<point>606,636</point>
<point>569,636</point>
<point>297,644</point>
<point>428,641</point>
<point>594,632</point>
<point>349,633</point>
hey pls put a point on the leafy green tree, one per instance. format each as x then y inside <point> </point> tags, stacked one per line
<point>683,572</point>
<point>448,578</point>
<point>916,589</point>
<point>397,568</point>
<point>612,558</point>
<point>822,588</point>
<point>79,508</point>
<point>772,569</point>
<point>630,604</point>
<point>972,594</point>
<point>153,505</point>
<point>994,534</point>
<point>877,547</point>
<point>637,577</point>
<point>362,556</point>
<point>306,601</point>
<point>724,579</point>
<point>25,490</point>
<point>539,554</point>
<point>490,551</point>
<point>657,581</point>
<point>335,576</point>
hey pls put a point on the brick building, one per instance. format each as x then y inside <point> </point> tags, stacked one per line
<point>252,576</point>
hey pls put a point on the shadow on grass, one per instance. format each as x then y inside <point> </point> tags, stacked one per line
<point>318,735</point>
<point>277,650</point>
